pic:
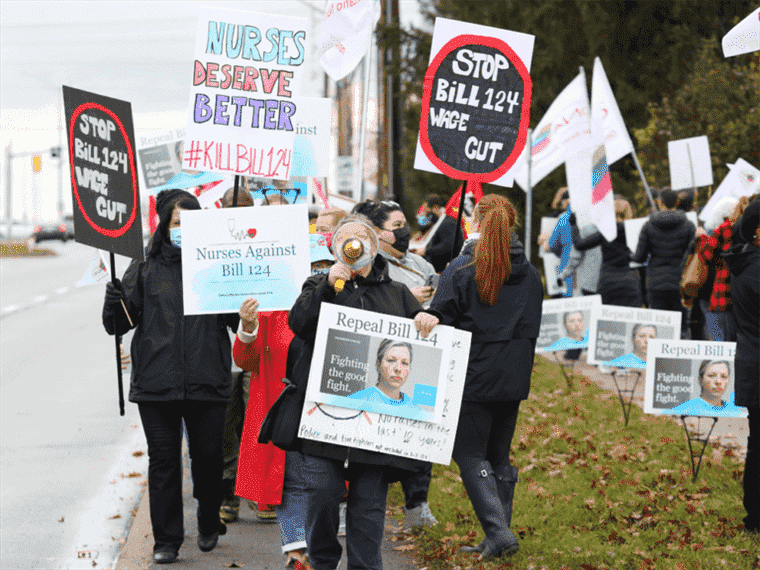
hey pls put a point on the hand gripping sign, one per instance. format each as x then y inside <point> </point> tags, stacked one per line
<point>475,108</point>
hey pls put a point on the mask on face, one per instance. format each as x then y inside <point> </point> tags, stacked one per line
<point>175,236</point>
<point>401,236</point>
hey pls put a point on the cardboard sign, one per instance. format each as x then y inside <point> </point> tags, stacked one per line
<point>231,254</point>
<point>247,76</point>
<point>689,161</point>
<point>362,356</point>
<point>393,434</point>
<point>619,336</point>
<point>476,102</point>
<point>691,378</point>
<point>103,172</point>
<point>565,323</point>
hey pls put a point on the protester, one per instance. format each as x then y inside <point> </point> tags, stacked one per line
<point>618,283</point>
<point>445,239</point>
<point>416,273</point>
<point>664,239</point>
<point>743,261</point>
<point>327,220</point>
<point>497,297</point>
<point>180,372</point>
<point>583,265</point>
<point>366,286</point>
<point>235,414</point>
<point>560,243</point>
<point>721,321</point>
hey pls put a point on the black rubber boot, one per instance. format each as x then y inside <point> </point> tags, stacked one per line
<point>506,479</point>
<point>483,491</point>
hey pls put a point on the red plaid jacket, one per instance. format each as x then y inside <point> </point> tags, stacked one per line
<point>709,250</point>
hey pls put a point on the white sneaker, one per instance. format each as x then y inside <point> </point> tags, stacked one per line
<point>342,525</point>
<point>419,517</point>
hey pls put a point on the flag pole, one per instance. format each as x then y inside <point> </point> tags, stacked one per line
<point>652,203</point>
<point>528,198</point>
<point>365,100</point>
<point>458,230</point>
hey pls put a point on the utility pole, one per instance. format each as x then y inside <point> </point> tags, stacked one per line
<point>8,192</point>
<point>389,152</point>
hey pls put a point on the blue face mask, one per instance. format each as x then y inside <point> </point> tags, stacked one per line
<point>175,236</point>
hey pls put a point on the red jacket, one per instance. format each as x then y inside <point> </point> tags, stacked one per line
<point>261,468</point>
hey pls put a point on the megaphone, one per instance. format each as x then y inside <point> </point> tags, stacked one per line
<point>353,249</point>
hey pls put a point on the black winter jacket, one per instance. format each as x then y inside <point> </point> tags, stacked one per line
<point>743,262</point>
<point>503,335</point>
<point>379,294</point>
<point>174,357</point>
<point>438,251</point>
<point>666,236</point>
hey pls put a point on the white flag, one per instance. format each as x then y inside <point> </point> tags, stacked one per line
<point>617,142</point>
<point>742,179</point>
<point>562,131</point>
<point>345,35</point>
<point>744,37</point>
<point>97,272</point>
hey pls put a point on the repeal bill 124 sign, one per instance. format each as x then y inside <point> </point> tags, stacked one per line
<point>103,172</point>
<point>475,108</point>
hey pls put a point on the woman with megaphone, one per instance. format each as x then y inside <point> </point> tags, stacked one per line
<point>360,280</point>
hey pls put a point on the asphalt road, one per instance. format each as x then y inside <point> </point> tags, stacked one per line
<point>67,465</point>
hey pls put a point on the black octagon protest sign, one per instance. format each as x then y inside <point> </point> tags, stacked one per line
<point>103,172</point>
<point>475,108</point>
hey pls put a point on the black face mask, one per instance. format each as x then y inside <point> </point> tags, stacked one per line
<point>402,236</point>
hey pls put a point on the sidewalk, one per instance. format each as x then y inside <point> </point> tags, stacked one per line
<point>248,543</point>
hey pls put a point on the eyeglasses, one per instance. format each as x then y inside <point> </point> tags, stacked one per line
<point>290,195</point>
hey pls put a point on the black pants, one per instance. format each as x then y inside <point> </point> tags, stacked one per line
<point>752,472</point>
<point>365,513</point>
<point>485,432</point>
<point>669,300</point>
<point>233,425</point>
<point>162,422</point>
<point>416,487</point>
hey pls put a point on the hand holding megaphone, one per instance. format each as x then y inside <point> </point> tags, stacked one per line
<point>352,250</point>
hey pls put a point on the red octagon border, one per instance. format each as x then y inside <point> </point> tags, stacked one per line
<point>130,152</point>
<point>427,90</point>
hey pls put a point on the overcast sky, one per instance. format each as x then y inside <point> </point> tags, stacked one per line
<point>141,52</point>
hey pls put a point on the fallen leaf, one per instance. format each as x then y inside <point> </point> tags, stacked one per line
<point>405,547</point>
<point>61,519</point>
<point>138,454</point>
<point>116,516</point>
<point>234,565</point>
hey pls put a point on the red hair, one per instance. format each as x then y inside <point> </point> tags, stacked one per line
<point>492,262</point>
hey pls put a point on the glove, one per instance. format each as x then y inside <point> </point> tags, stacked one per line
<point>114,292</point>
<point>571,219</point>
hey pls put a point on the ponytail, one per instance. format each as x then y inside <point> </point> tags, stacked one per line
<point>492,254</point>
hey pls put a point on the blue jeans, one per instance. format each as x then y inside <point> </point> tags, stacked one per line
<point>291,513</point>
<point>721,325</point>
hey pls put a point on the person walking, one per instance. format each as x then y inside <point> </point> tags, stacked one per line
<point>664,239</point>
<point>416,273</point>
<point>618,284</point>
<point>180,373</point>
<point>743,261</point>
<point>493,291</point>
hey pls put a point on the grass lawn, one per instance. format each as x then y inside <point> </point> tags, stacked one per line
<point>595,494</point>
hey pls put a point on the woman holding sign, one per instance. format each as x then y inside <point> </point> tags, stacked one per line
<point>180,373</point>
<point>497,296</point>
<point>359,279</point>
